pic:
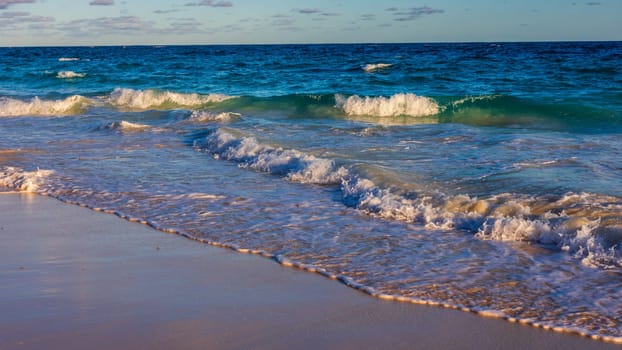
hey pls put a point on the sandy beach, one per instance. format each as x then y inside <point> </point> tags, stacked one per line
<point>71,278</point>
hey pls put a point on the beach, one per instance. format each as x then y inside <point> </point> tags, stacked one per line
<point>75,279</point>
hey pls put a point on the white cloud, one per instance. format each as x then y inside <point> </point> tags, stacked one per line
<point>4,4</point>
<point>102,2</point>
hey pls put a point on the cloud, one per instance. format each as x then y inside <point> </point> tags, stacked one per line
<point>314,11</point>
<point>163,12</point>
<point>4,4</point>
<point>415,13</point>
<point>182,26</point>
<point>211,3</point>
<point>368,17</point>
<point>105,26</point>
<point>102,2</point>
<point>13,14</point>
<point>23,20</point>
<point>392,9</point>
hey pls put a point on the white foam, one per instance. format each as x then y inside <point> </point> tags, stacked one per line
<point>377,66</point>
<point>36,107</point>
<point>126,126</point>
<point>294,165</point>
<point>506,217</point>
<point>66,59</point>
<point>148,99</point>
<point>67,74</point>
<point>206,116</point>
<point>24,181</point>
<point>396,105</point>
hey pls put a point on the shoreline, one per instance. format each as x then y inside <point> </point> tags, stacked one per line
<point>63,288</point>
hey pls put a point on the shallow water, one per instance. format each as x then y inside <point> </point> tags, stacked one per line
<point>478,176</point>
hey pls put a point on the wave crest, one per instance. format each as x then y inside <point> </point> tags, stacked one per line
<point>294,165</point>
<point>396,105</point>
<point>148,99</point>
<point>36,107</point>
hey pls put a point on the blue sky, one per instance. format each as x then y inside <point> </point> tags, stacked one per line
<point>129,22</point>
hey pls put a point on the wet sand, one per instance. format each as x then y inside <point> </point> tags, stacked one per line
<point>71,278</point>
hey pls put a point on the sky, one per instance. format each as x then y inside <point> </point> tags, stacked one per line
<point>165,22</point>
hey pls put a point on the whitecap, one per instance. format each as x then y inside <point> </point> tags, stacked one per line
<point>396,105</point>
<point>377,66</point>
<point>125,126</point>
<point>10,107</point>
<point>67,74</point>
<point>67,59</point>
<point>148,99</point>
<point>294,165</point>
<point>206,116</point>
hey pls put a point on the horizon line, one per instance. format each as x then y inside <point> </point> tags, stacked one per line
<point>321,43</point>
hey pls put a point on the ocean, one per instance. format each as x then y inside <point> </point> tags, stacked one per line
<point>485,177</point>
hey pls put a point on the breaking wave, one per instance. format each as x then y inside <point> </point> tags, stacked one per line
<point>585,225</point>
<point>294,165</point>
<point>36,107</point>
<point>396,105</point>
<point>67,59</point>
<point>156,99</point>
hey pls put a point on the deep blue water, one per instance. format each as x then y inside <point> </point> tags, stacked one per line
<point>481,176</point>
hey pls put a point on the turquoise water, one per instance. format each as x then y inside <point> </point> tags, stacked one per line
<point>486,177</point>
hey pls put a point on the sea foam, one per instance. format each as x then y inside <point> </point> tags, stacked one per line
<point>10,107</point>
<point>125,126</point>
<point>24,181</point>
<point>148,99</point>
<point>396,105</point>
<point>206,116</point>
<point>294,165</point>
<point>67,74</point>
<point>377,66</point>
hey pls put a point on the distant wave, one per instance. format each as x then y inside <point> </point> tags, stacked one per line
<point>36,107</point>
<point>396,105</point>
<point>17,179</point>
<point>67,74</point>
<point>66,59</point>
<point>377,66</point>
<point>582,224</point>
<point>156,99</point>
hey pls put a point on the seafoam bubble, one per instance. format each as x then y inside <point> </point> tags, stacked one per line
<point>10,107</point>
<point>396,105</point>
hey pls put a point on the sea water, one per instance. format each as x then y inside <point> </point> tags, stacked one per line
<point>484,177</point>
